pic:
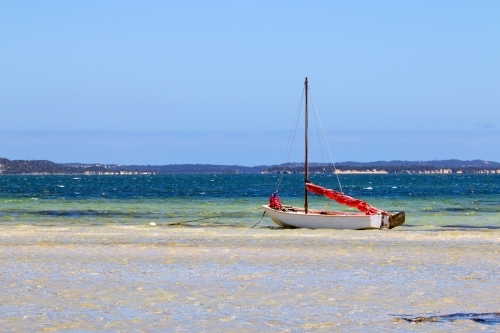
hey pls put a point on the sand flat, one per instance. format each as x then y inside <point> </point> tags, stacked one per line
<point>238,279</point>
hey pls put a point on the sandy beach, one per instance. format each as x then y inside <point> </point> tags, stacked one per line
<point>178,279</point>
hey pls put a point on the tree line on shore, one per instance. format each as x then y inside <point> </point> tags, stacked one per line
<point>437,166</point>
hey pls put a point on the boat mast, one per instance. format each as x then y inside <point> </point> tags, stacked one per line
<point>306,162</point>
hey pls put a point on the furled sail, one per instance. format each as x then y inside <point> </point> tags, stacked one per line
<point>345,199</point>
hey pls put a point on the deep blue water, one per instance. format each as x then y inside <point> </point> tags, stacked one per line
<point>230,186</point>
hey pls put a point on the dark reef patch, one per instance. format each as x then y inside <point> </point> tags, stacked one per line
<point>489,318</point>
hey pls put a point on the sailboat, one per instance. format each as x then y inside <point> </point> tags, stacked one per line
<point>368,216</point>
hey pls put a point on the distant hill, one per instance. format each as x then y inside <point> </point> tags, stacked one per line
<point>39,167</point>
<point>8,167</point>
<point>196,169</point>
<point>437,166</point>
<point>435,163</point>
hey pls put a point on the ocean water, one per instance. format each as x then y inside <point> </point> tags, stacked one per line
<point>79,254</point>
<point>430,201</point>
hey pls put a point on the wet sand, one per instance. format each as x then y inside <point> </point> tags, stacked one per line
<point>179,279</point>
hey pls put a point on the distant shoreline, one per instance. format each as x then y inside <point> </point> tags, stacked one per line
<point>385,172</point>
<point>44,167</point>
<point>339,172</point>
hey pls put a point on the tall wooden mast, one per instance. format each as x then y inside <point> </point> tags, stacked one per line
<point>306,162</point>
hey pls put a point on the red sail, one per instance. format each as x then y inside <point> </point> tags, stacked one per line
<point>345,199</point>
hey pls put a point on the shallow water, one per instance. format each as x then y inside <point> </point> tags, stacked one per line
<point>92,261</point>
<point>238,279</point>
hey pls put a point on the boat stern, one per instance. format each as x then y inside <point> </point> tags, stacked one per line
<point>396,220</point>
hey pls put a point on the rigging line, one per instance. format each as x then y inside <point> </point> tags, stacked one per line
<point>317,121</point>
<point>290,145</point>
<point>317,131</point>
<point>259,220</point>
<point>328,146</point>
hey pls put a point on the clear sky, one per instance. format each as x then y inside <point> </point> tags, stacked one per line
<point>163,82</point>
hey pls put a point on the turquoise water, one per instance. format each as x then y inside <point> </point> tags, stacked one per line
<point>446,201</point>
<point>79,254</point>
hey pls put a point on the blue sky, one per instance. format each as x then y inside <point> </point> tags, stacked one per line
<point>163,82</point>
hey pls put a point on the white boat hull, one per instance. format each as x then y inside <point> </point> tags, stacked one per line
<point>296,218</point>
